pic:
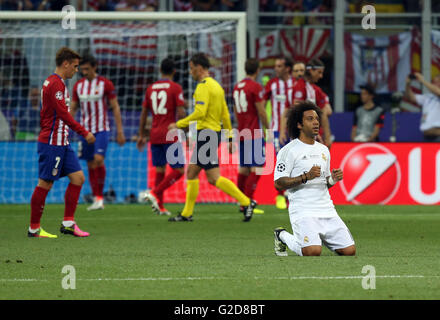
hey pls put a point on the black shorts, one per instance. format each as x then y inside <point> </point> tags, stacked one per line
<point>205,152</point>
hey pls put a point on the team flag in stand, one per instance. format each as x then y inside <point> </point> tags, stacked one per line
<point>302,44</point>
<point>384,61</point>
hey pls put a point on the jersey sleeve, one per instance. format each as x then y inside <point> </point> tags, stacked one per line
<point>75,97</point>
<point>180,101</point>
<point>327,172</point>
<point>226,118</point>
<point>380,119</point>
<point>267,90</point>
<point>201,101</point>
<point>109,90</point>
<point>55,97</point>
<point>420,98</point>
<point>258,92</point>
<point>299,92</point>
<point>146,102</point>
<point>320,98</point>
<point>284,165</point>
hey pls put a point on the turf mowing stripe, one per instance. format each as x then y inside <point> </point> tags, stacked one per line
<point>215,278</point>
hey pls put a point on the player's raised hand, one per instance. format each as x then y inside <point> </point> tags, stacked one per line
<point>337,175</point>
<point>313,173</point>
<point>90,138</point>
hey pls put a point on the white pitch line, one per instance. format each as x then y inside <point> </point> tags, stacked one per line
<point>232,279</point>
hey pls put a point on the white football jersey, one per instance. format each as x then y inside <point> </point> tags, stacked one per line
<point>311,198</point>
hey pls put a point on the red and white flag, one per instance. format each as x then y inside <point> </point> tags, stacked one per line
<point>125,45</point>
<point>304,44</point>
<point>383,61</point>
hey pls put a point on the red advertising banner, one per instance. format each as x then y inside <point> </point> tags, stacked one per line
<point>374,173</point>
<point>387,173</point>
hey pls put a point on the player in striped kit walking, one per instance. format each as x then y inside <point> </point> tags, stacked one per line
<point>94,93</point>
<point>278,90</point>
<point>56,157</point>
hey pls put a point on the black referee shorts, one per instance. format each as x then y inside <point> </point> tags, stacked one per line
<point>205,152</point>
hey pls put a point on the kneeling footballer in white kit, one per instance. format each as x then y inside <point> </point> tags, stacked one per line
<point>303,169</point>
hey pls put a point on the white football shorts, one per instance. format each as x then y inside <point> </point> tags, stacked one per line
<point>315,231</point>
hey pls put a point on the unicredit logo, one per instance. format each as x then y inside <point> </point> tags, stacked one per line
<point>371,174</point>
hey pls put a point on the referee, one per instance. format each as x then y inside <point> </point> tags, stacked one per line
<point>210,111</point>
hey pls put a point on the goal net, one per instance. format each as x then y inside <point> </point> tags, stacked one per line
<point>129,48</point>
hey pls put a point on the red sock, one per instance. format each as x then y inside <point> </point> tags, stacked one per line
<point>93,180</point>
<point>241,181</point>
<point>37,206</point>
<point>71,201</point>
<point>251,184</point>
<point>157,181</point>
<point>100,181</point>
<point>167,182</point>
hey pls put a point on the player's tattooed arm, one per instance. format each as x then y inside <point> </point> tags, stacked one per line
<point>285,183</point>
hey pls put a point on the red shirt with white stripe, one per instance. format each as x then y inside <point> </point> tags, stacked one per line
<point>55,119</point>
<point>162,99</point>
<point>93,97</point>
<point>246,94</point>
<point>279,93</point>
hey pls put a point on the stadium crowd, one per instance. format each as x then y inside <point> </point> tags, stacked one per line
<point>319,6</point>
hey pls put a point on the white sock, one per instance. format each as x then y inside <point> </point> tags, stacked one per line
<point>68,224</point>
<point>290,241</point>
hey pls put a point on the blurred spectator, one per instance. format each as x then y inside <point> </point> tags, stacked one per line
<point>183,5</point>
<point>430,103</point>
<point>326,6</point>
<point>206,5</point>
<point>11,5</point>
<point>102,5</point>
<point>368,118</point>
<point>26,121</point>
<point>233,5</point>
<point>268,6</point>
<point>136,5</point>
<point>30,5</point>
<point>52,5</point>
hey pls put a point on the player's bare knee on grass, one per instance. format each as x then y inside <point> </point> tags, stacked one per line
<point>349,251</point>
<point>312,251</point>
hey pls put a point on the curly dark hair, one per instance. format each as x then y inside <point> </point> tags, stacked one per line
<point>296,114</point>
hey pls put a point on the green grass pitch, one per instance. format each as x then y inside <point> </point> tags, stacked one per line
<point>133,254</point>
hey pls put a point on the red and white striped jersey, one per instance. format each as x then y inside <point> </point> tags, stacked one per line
<point>55,119</point>
<point>93,97</point>
<point>304,90</point>
<point>279,93</point>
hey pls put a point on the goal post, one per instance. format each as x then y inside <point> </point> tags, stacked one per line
<point>129,47</point>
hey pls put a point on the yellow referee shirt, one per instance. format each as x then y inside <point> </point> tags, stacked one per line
<point>210,109</point>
